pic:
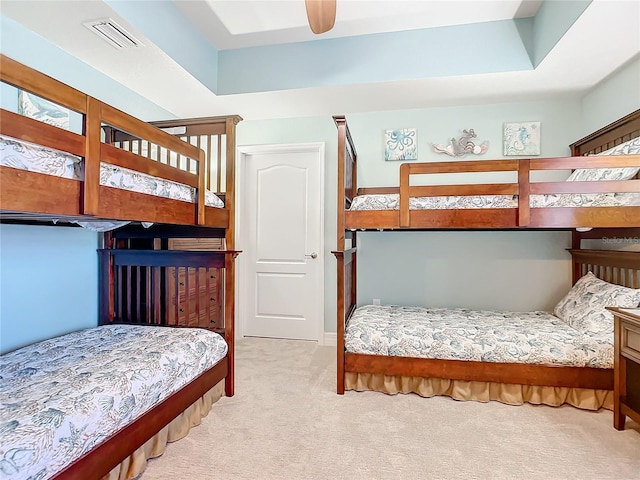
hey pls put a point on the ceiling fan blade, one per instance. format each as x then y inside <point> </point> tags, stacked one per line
<point>321,15</point>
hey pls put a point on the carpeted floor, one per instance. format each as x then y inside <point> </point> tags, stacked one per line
<point>286,422</point>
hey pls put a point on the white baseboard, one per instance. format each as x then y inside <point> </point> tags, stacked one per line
<point>330,339</point>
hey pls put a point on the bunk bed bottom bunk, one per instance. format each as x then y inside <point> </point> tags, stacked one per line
<point>586,384</point>
<point>76,405</point>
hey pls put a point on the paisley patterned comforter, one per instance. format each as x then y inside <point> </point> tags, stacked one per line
<point>392,201</point>
<point>487,336</point>
<point>61,397</point>
<point>36,158</point>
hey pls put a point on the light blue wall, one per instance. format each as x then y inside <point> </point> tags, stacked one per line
<point>49,279</point>
<point>497,47</point>
<point>494,259</point>
<point>611,99</point>
<point>551,23</point>
<point>170,30</point>
<point>48,282</point>
<point>34,51</point>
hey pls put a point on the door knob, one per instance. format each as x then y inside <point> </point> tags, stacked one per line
<point>312,255</point>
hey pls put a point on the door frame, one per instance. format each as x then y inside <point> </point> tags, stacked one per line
<point>243,265</point>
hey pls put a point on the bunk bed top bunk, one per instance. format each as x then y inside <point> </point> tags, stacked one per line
<point>51,173</point>
<point>611,156</point>
<point>383,358</point>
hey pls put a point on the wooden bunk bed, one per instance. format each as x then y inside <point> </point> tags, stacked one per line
<point>393,374</point>
<point>147,277</point>
<point>523,188</point>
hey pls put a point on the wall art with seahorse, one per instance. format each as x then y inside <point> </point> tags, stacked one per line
<point>522,138</point>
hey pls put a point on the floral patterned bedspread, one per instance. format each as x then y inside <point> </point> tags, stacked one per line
<point>392,201</point>
<point>61,397</point>
<point>487,336</point>
<point>36,158</point>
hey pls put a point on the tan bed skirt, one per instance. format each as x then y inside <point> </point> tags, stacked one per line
<point>135,464</point>
<point>511,394</point>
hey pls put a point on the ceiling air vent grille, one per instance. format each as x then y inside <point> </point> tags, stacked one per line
<point>113,34</point>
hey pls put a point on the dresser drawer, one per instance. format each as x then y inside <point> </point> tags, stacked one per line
<point>630,340</point>
<point>196,243</point>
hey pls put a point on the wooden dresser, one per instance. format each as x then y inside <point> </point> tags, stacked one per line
<point>626,366</point>
<point>194,295</point>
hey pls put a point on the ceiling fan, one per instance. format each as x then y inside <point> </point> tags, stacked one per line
<point>321,15</point>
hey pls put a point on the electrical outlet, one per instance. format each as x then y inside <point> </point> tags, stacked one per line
<point>376,301</point>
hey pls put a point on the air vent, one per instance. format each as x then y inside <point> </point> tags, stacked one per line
<point>113,34</point>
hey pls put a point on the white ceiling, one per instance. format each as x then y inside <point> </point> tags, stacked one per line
<point>604,38</point>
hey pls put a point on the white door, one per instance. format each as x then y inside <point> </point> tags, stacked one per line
<point>281,290</point>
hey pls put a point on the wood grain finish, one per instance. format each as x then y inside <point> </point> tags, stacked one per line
<point>23,128</point>
<point>92,200</point>
<point>123,158</point>
<point>512,373</point>
<point>195,295</point>
<point>607,137</point>
<point>626,367</point>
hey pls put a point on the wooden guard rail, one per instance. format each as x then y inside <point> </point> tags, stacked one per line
<point>523,188</point>
<point>96,115</point>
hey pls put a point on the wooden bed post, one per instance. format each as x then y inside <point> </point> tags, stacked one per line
<point>341,123</point>
<point>105,287</point>
<point>229,318</point>
<point>230,187</point>
<point>91,184</point>
<point>346,258</point>
<point>523,192</point>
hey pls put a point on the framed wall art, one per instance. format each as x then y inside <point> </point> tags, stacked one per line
<point>401,144</point>
<point>521,138</point>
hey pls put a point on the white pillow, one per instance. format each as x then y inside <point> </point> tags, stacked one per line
<point>583,308</point>
<point>632,147</point>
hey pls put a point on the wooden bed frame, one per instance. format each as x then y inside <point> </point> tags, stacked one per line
<point>135,261</point>
<point>620,267</point>
<point>496,218</point>
<point>35,196</point>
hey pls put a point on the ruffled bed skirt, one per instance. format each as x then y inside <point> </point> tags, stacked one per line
<point>511,394</point>
<point>135,464</point>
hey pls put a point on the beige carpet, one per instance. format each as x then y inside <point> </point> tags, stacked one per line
<point>286,422</point>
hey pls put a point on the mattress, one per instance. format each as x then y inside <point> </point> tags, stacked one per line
<point>392,201</point>
<point>484,336</point>
<point>62,397</point>
<point>36,158</point>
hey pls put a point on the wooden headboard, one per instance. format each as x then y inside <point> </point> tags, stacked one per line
<point>615,133</point>
<point>613,266</point>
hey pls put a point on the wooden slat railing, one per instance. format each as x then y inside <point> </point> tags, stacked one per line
<point>523,187</point>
